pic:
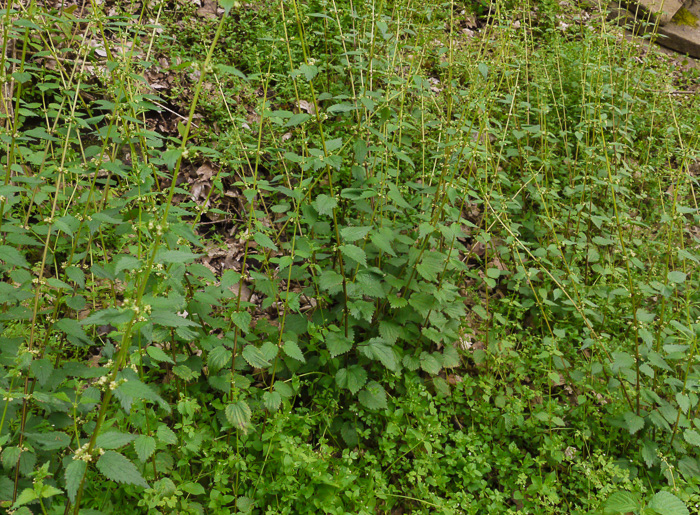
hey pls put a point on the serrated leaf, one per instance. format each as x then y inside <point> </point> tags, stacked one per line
<point>325,204</point>
<point>170,319</point>
<point>397,302</point>
<point>269,351</point>
<point>382,239</point>
<point>221,382</point>
<point>373,396</point>
<point>48,441</point>
<point>113,440</point>
<point>353,378</point>
<point>429,364</point>
<point>341,108</point>
<point>176,256</point>
<point>683,401</point>
<point>330,281</point>
<point>76,275</point>
<point>171,156</point>
<point>138,390</point>
<point>622,502</point>
<point>450,357</point>
<point>158,354</point>
<point>193,488</point>
<point>432,334</point>
<point>126,263</point>
<point>665,503</point>
<point>355,253</point>
<point>25,497</point>
<point>349,434</point>
<point>337,343</point>
<point>242,320</point>
<point>692,437</point>
<point>218,358</point>
<point>354,233</point>
<point>676,277</point>
<point>430,265</point>
<point>284,389</point>
<point>645,316</point>
<point>292,350</point>
<point>116,467</point>
<point>297,119</point>
<point>264,241</point>
<point>12,257</point>
<point>144,446</point>
<point>254,357</point>
<point>385,354</point>
<point>649,453</point>
<point>411,362</point>
<point>74,476</point>
<point>111,316</point>
<point>441,386</point>
<point>634,422</point>
<point>42,369</point>
<point>238,415</point>
<point>166,435</point>
<point>272,400</point>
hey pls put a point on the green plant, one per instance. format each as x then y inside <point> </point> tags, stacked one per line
<point>458,273</point>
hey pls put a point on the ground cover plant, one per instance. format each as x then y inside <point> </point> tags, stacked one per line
<point>342,256</point>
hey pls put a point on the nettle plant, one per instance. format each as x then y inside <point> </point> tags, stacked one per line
<point>95,252</point>
<point>379,192</point>
<point>601,221</point>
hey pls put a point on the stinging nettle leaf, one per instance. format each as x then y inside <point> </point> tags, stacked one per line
<point>242,320</point>
<point>255,357</point>
<point>355,253</point>
<point>429,364</point>
<point>144,446</point>
<point>239,415</point>
<point>118,468</point>
<point>158,354</point>
<point>218,358</point>
<point>292,350</point>
<point>665,503</point>
<point>385,354</point>
<point>325,204</point>
<point>74,476</point>
<point>373,396</point>
<point>337,343</point>
<point>676,277</point>
<point>166,435</point>
<point>272,400</point>
<point>113,440</point>
<point>264,241</point>
<point>138,390</point>
<point>354,233</point>
<point>622,502</point>
<point>353,378</point>
<point>692,437</point>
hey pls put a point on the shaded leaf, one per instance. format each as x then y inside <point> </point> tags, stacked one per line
<point>373,396</point>
<point>255,357</point>
<point>239,414</point>
<point>144,446</point>
<point>355,253</point>
<point>353,378</point>
<point>74,475</point>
